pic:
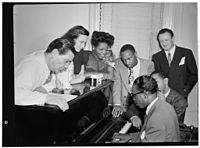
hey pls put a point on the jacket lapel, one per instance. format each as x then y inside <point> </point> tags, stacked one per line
<point>164,60</point>
<point>124,74</point>
<point>157,103</point>
<point>177,57</point>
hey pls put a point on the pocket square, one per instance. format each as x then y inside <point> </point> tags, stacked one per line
<point>182,61</point>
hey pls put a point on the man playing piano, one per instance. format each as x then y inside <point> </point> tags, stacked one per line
<point>161,123</point>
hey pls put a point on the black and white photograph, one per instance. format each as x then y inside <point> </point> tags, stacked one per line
<point>100,74</point>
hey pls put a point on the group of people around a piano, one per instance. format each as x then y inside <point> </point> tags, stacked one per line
<point>152,93</point>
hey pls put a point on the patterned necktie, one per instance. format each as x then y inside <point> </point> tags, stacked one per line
<point>169,58</point>
<point>130,77</point>
<point>49,78</point>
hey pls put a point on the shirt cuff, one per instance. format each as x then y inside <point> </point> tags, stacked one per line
<point>117,104</point>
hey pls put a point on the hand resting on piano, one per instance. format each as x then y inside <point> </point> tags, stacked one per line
<point>117,111</point>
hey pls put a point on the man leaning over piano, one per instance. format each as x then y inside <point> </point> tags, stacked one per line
<point>127,68</point>
<point>35,70</point>
<point>161,123</point>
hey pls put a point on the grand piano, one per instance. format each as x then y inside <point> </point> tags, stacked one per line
<point>44,125</point>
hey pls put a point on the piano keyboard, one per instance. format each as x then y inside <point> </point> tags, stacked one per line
<point>125,128</point>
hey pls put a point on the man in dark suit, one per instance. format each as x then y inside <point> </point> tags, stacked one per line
<point>171,96</point>
<point>176,62</point>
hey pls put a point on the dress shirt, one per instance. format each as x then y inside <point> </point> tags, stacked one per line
<point>166,94</point>
<point>63,77</point>
<point>171,51</point>
<point>30,73</point>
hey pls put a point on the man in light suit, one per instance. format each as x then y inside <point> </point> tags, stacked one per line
<point>127,68</point>
<point>182,69</point>
<point>161,123</point>
<point>176,62</point>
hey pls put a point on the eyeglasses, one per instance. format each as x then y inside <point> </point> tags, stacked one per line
<point>133,95</point>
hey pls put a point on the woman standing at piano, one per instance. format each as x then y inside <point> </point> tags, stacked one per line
<point>84,65</point>
<point>101,60</point>
<point>78,36</point>
<point>101,56</point>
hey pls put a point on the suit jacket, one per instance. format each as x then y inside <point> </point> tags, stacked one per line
<point>120,86</point>
<point>179,103</point>
<point>161,124</point>
<point>182,73</point>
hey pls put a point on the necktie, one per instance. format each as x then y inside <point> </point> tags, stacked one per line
<point>49,78</point>
<point>130,77</point>
<point>169,58</point>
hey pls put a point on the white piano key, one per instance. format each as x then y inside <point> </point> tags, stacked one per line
<point>125,128</point>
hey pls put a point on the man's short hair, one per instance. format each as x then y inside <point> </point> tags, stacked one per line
<point>127,47</point>
<point>163,31</point>
<point>62,45</point>
<point>160,74</point>
<point>146,83</point>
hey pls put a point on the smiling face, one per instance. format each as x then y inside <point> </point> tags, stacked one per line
<point>129,58</point>
<point>59,62</point>
<point>166,41</point>
<point>80,42</point>
<point>101,50</point>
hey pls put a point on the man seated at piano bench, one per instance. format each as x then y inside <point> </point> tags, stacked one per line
<point>171,96</point>
<point>161,123</point>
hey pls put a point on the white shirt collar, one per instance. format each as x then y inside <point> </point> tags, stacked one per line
<point>150,105</point>
<point>166,94</point>
<point>171,51</point>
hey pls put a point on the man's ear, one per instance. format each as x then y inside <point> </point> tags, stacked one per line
<point>146,93</point>
<point>54,52</point>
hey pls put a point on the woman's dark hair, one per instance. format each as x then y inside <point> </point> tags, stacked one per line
<point>102,37</point>
<point>74,33</point>
<point>62,45</point>
<point>146,83</point>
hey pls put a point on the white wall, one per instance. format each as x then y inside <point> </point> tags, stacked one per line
<point>182,19</point>
<point>35,26</point>
<point>186,29</point>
